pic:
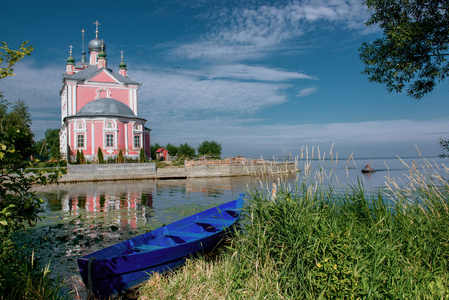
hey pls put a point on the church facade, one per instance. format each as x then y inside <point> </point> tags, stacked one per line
<point>99,108</point>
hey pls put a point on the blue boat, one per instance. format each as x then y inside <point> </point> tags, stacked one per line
<point>122,266</point>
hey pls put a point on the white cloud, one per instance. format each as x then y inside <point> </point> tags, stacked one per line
<point>246,72</point>
<point>38,86</point>
<point>253,32</point>
<point>306,92</point>
<point>186,94</point>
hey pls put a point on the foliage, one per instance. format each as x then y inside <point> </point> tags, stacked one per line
<point>120,158</point>
<point>161,164</point>
<point>309,242</point>
<point>172,150</point>
<point>412,53</point>
<point>20,277</point>
<point>100,156</point>
<point>142,156</point>
<point>49,142</point>
<point>210,148</point>
<point>11,57</point>
<point>82,159</point>
<point>19,206</point>
<point>178,163</point>
<point>15,127</point>
<point>153,149</point>
<point>185,150</point>
<point>444,144</point>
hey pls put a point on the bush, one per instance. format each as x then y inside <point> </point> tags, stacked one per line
<point>142,157</point>
<point>120,158</point>
<point>100,156</point>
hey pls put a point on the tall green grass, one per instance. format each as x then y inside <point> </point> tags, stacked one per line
<point>21,277</point>
<point>310,242</point>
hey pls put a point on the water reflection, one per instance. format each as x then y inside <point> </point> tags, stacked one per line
<point>81,218</point>
<point>131,207</point>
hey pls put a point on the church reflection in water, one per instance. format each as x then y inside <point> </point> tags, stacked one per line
<point>125,207</point>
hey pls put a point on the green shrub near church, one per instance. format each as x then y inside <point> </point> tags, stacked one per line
<point>100,156</point>
<point>142,157</point>
<point>120,158</point>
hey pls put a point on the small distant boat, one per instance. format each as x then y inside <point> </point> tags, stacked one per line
<point>119,267</point>
<point>368,169</point>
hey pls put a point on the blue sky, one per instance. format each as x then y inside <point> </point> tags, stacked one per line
<point>259,77</point>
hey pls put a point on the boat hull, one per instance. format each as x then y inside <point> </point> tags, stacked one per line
<point>122,266</point>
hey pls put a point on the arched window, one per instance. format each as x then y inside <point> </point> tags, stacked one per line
<point>109,124</point>
<point>136,126</point>
<point>80,125</point>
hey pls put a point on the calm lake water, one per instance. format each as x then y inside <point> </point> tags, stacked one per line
<point>81,218</point>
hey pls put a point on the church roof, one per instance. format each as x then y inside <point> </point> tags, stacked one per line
<point>106,107</point>
<point>92,71</point>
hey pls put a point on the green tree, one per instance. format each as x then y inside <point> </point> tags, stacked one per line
<point>185,150</point>
<point>78,156</point>
<point>120,158</point>
<point>210,148</point>
<point>142,157</point>
<point>412,54</point>
<point>153,149</point>
<point>20,278</point>
<point>82,159</point>
<point>172,150</point>
<point>15,127</point>
<point>100,156</point>
<point>50,141</point>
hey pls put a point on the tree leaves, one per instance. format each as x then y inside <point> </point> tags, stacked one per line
<point>11,57</point>
<point>412,55</point>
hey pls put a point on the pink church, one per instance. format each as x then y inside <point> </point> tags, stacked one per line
<point>99,108</point>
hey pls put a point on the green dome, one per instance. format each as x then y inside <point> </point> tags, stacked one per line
<point>70,60</point>
<point>102,54</point>
<point>122,65</point>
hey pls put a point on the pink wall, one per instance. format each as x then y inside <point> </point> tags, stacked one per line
<point>86,94</point>
<point>88,138</point>
<point>121,137</point>
<point>98,135</point>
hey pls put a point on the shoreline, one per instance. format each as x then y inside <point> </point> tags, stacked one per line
<point>98,173</point>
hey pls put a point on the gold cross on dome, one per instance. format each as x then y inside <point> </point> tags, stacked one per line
<point>96,27</point>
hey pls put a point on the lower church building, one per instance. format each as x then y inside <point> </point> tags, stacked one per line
<point>99,108</point>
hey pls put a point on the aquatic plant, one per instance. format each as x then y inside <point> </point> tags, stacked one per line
<point>311,242</point>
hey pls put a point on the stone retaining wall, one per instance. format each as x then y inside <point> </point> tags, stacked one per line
<point>130,171</point>
<point>241,169</point>
<point>104,169</point>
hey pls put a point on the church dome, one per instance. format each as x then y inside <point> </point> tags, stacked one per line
<point>106,107</point>
<point>70,60</point>
<point>95,45</point>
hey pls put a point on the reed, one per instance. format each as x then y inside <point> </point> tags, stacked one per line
<point>310,242</point>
